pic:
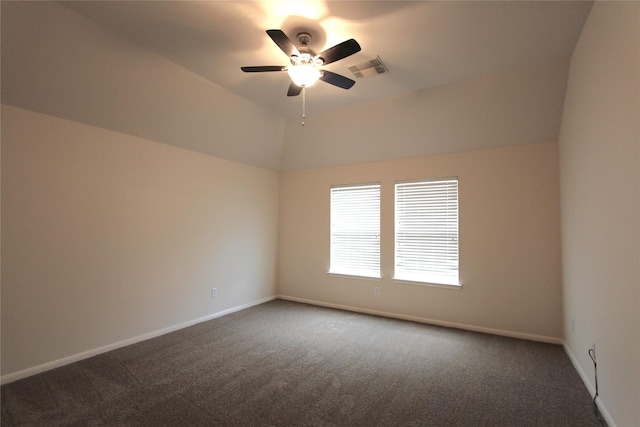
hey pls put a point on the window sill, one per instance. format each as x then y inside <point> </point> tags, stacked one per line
<point>452,286</point>
<point>353,276</point>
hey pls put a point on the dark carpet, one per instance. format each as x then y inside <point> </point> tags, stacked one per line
<point>285,363</point>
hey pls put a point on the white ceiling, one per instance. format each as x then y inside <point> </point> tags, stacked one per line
<point>423,44</point>
<point>169,72</point>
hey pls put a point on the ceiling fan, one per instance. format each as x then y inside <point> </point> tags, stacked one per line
<point>305,64</point>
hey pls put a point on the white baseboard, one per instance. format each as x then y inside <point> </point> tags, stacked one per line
<point>512,334</point>
<point>590,387</point>
<point>14,376</point>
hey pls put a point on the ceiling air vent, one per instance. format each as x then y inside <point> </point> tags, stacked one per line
<point>368,69</point>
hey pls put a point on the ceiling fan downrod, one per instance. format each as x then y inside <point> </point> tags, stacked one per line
<point>304,38</point>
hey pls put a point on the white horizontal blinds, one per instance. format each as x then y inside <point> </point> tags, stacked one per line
<point>355,230</point>
<point>427,231</point>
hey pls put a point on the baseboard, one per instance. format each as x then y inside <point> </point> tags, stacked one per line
<point>14,376</point>
<point>590,387</point>
<point>512,334</point>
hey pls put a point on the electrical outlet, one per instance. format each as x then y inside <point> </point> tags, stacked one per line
<point>376,290</point>
<point>214,292</point>
<point>593,347</point>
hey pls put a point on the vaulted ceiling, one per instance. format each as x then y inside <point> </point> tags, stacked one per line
<point>170,71</point>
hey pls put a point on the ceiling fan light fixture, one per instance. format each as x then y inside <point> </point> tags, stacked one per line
<point>304,75</point>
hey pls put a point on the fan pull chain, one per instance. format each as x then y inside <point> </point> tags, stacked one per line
<point>304,113</point>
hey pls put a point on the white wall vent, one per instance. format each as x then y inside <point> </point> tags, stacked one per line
<point>368,69</point>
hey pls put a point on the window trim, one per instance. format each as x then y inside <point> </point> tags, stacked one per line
<point>352,274</point>
<point>431,284</point>
<point>434,279</point>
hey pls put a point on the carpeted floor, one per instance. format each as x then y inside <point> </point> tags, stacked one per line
<point>284,363</point>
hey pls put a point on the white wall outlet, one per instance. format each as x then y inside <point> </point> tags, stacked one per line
<point>376,290</point>
<point>214,292</point>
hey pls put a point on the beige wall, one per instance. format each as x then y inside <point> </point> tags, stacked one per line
<point>509,241</point>
<point>107,237</point>
<point>600,187</point>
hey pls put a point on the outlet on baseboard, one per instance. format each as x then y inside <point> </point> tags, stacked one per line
<point>214,292</point>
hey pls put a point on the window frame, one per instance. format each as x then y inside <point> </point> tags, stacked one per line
<point>353,271</point>
<point>426,277</point>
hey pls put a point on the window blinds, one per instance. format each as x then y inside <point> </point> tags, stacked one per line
<point>426,234</point>
<point>355,230</point>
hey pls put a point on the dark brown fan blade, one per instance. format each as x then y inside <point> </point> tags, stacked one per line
<point>337,80</point>
<point>294,90</point>
<point>263,68</point>
<point>339,51</point>
<point>283,42</point>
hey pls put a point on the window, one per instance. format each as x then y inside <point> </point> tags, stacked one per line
<point>426,233</point>
<point>355,230</point>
